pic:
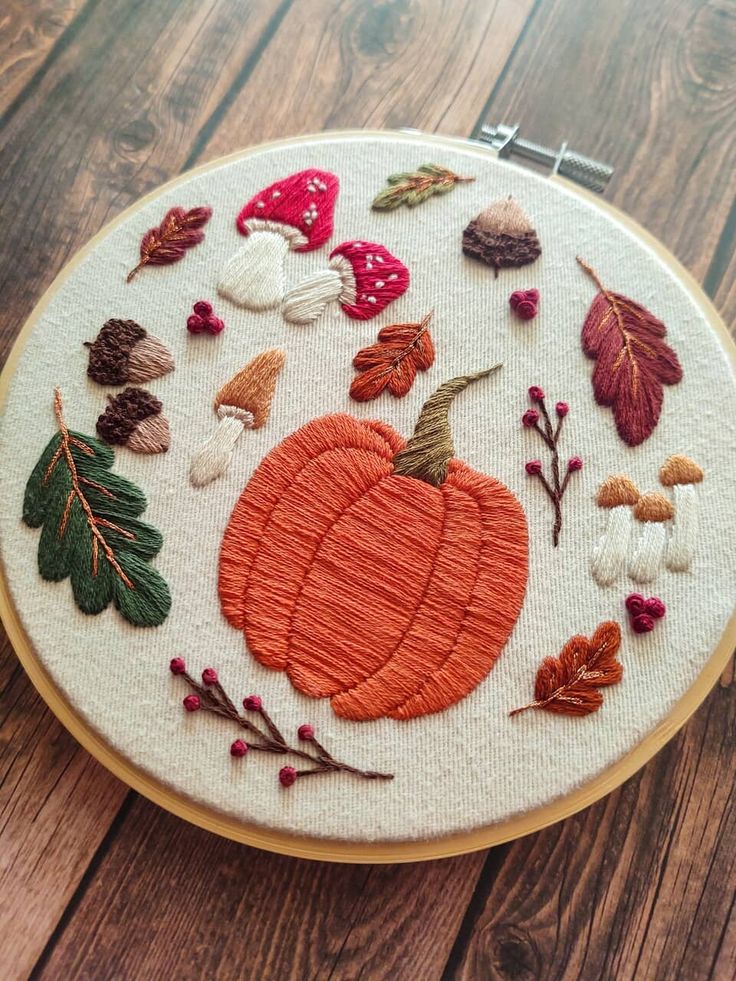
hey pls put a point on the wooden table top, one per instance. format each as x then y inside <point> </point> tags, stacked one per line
<point>102,102</point>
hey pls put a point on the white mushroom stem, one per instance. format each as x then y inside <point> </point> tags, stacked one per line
<point>684,535</point>
<point>648,552</point>
<point>612,550</point>
<point>254,277</point>
<point>307,300</point>
<point>213,459</point>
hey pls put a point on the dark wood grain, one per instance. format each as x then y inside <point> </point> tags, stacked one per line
<point>650,86</point>
<point>31,37</point>
<point>428,65</point>
<point>638,886</point>
<point>118,96</point>
<point>45,779</point>
<point>259,915</point>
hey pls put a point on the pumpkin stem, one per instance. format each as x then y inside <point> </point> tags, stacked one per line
<point>428,453</point>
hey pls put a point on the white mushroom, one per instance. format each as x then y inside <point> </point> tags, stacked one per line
<point>652,510</point>
<point>618,494</point>
<point>681,474</point>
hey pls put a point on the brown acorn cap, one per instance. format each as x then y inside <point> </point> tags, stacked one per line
<point>123,351</point>
<point>125,413</point>
<point>616,491</point>
<point>679,469</point>
<point>653,507</point>
<point>252,388</point>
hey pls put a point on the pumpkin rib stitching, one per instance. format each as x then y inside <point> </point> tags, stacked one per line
<point>321,542</point>
<point>411,622</point>
<point>452,650</point>
<point>294,477</point>
<point>292,613</point>
<point>312,460</point>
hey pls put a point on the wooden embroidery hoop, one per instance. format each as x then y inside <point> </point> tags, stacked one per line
<point>343,851</point>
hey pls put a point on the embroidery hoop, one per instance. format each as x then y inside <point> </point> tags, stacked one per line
<point>354,851</point>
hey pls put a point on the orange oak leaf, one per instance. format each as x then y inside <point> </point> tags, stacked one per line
<point>180,230</point>
<point>569,684</point>
<point>632,360</point>
<point>393,362</point>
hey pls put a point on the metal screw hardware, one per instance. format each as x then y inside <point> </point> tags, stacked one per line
<point>589,173</point>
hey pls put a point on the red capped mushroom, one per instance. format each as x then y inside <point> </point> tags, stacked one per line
<point>294,213</point>
<point>363,277</point>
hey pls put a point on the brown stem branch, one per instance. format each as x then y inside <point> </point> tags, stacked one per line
<point>214,698</point>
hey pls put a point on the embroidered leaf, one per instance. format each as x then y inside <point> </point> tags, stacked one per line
<point>393,362</point>
<point>180,230</point>
<point>568,684</point>
<point>411,189</point>
<point>632,361</point>
<point>89,529</point>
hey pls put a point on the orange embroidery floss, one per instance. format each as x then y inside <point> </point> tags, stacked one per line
<point>382,574</point>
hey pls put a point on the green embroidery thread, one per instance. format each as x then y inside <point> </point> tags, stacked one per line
<point>411,189</point>
<point>89,529</point>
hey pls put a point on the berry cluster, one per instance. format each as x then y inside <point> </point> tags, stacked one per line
<point>203,320</point>
<point>525,303</point>
<point>643,612</point>
<point>212,697</point>
<point>555,487</point>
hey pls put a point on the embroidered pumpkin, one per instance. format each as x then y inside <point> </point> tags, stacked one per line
<point>384,575</point>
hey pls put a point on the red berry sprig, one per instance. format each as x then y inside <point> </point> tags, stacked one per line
<point>555,487</point>
<point>212,697</point>
<point>203,320</point>
<point>643,612</point>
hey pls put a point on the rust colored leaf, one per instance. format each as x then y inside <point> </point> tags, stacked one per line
<point>632,361</point>
<point>393,362</point>
<point>179,231</point>
<point>569,684</point>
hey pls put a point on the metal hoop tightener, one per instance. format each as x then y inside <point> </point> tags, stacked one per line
<point>589,173</point>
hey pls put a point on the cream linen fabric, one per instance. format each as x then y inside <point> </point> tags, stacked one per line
<point>471,765</point>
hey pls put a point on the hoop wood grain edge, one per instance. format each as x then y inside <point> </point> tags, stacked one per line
<point>345,851</point>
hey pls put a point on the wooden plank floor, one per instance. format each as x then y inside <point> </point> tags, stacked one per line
<point>102,101</point>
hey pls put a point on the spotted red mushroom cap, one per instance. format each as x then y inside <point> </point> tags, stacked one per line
<point>300,208</point>
<point>371,277</point>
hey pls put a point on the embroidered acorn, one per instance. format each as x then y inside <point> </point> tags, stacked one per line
<point>362,277</point>
<point>502,236</point>
<point>134,419</point>
<point>618,495</point>
<point>294,213</point>
<point>123,352</point>
<point>652,510</point>
<point>681,474</point>
<point>381,573</point>
<point>242,403</point>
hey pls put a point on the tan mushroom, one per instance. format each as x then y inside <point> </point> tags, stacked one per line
<point>618,494</point>
<point>653,510</point>
<point>244,402</point>
<point>681,474</point>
